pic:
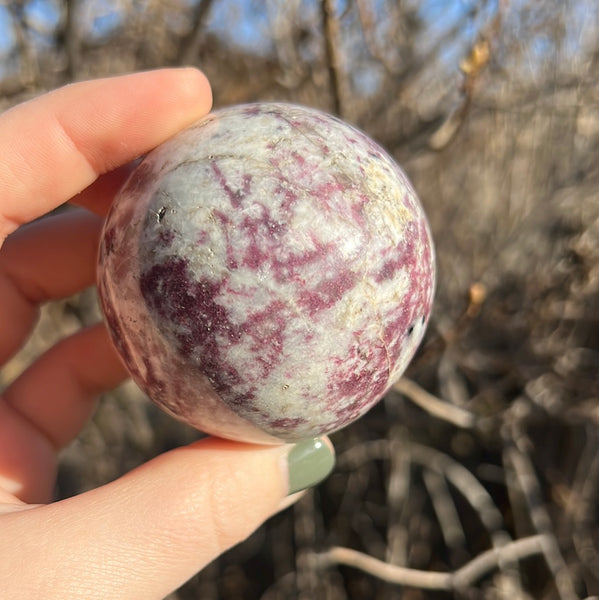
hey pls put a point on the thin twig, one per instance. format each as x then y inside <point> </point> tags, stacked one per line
<point>285,35</point>
<point>190,47</point>
<point>530,488</point>
<point>463,577</point>
<point>458,475</point>
<point>445,510</point>
<point>377,48</point>
<point>331,33</point>
<point>435,406</point>
<point>29,72</point>
<point>479,566</point>
<point>469,486</point>
<point>305,526</point>
<point>71,40</point>
<point>583,501</point>
<point>398,490</point>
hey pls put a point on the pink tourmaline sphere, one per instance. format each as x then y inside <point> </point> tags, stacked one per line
<point>267,274</point>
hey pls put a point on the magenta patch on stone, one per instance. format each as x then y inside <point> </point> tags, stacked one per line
<point>267,274</point>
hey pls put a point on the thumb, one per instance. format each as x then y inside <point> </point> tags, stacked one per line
<point>145,534</point>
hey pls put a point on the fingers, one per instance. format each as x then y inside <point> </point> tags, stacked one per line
<point>48,404</point>
<point>51,258</point>
<point>56,393</point>
<point>56,145</point>
<point>145,534</point>
<point>99,195</point>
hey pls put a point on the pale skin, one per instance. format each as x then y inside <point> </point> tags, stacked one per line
<point>146,533</point>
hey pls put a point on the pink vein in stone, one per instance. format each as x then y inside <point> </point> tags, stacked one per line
<point>278,276</point>
<point>235,196</point>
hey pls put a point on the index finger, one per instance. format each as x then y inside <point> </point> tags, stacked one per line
<point>54,146</point>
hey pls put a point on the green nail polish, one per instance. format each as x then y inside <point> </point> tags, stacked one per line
<point>309,462</point>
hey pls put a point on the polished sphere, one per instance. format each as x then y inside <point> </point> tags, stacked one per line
<point>267,274</point>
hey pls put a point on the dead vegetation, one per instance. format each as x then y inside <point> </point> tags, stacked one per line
<point>477,477</point>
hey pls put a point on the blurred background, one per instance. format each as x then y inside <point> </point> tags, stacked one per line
<point>492,439</point>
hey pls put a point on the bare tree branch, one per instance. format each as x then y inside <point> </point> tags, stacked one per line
<point>189,48</point>
<point>582,501</point>
<point>445,510</point>
<point>71,39</point>
<point>433,405</point>
<point>460,579</point>
<point>529,487</point>
<point>332,55</point>
<point>29,72</point>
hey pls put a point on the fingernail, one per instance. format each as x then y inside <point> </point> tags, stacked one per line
<point>309,462</point>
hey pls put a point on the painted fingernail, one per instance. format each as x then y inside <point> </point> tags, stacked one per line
<point>309,462</point>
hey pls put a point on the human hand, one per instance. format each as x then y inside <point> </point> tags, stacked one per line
<point>146,533</point>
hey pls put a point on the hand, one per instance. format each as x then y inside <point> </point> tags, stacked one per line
<point>144,534</point>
